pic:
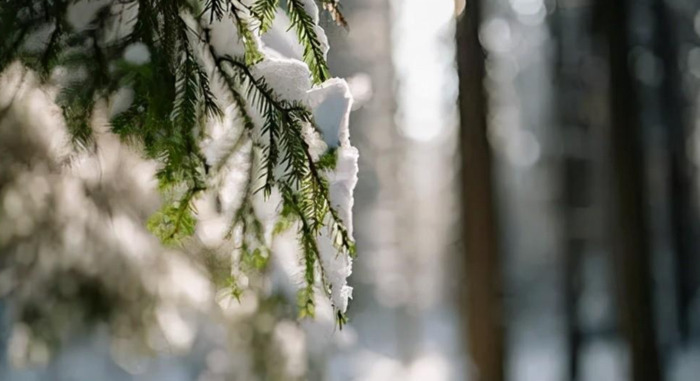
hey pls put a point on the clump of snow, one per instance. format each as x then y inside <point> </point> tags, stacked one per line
<point>288,78</point>
<point>331,103</point>
<point>137,53</point>
<point>81,13</point>
<point>281,41</point>
<point>224,36</point>
<point>342,183</point>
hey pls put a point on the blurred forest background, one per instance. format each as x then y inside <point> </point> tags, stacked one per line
<point>575,165</point>
<point>575,255</point>
<point>527,206</point>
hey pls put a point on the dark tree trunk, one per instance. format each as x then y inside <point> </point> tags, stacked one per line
<point>631,236</point>
<point>482,303</point>
<point>682,208</point>
<point>576,169</point>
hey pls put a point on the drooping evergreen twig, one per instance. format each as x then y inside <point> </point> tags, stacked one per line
<point>264,12</point>
<point>173,98</point>
<point>302,170</point>
<point>305,28</point>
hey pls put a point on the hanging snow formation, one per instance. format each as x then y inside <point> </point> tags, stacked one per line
<point>289,77</point>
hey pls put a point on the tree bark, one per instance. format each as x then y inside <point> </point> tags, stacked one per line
<point>632,257</point>
<point>576,170</point>
<point>683,210</point>
<point>481,301</point>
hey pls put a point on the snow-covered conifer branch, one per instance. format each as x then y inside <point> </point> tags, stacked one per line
<point>188,65</point>
<point>305,27</point>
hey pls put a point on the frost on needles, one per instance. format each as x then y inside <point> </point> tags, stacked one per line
<point>231,99</point>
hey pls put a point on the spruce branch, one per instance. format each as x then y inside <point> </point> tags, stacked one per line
<point>305,28</point>
<point>18,20</point>
<point>230,81</point>
<point>217,9</point>
<point>54,45</point>
<point>301,168</point>
<point>310,251</point>
<point>254,250</point>
<point>264,11</point>
<point>172,99</point>
<point>245,35</point>
<point>176,220</point>
<point>304,189</point>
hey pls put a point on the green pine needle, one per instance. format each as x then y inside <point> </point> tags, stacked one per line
<point>306,32</point>
<point>264,11</point>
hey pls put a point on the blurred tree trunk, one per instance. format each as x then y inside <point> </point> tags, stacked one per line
<point>481,301</point>
<point>631,236</point>
<point>575,169</point>
<point>683,209</point>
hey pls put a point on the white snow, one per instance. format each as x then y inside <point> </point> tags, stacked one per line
<point>338,267</point>
<point>289,78</point>
<point>137,54</point>
<point>281,39</point>
<point>331,103</point>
